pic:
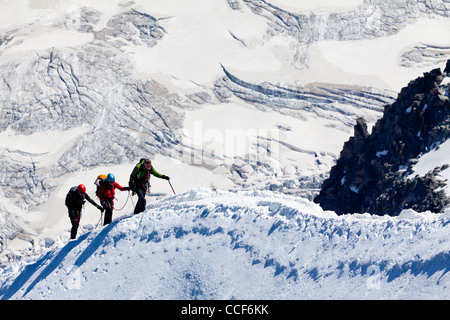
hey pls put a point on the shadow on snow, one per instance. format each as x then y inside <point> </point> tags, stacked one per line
<point>55,261</point>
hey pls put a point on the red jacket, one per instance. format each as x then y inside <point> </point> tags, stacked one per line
<point>108,190</point>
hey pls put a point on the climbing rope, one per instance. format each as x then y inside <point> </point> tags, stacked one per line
<point>80,227</point>
<point>125,202</point>
<point>101,214</point>
<point>99,220</point>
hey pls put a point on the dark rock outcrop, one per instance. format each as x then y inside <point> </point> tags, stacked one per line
<point>371,173</point>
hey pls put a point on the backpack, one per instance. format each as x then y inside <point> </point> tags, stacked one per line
<point>100,178</point>
<point>73,200</point>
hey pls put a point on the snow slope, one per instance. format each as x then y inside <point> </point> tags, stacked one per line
<point>285,244</point>
<point>204,244</point>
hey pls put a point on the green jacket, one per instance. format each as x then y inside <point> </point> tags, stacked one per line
<point>140,175</point>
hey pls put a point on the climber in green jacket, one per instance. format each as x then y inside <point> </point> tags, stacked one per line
<point>140,182</point>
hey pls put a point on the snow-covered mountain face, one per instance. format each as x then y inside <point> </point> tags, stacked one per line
<point>226,94</point>
<point>204,244</point>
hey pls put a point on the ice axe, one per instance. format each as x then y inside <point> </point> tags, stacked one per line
<point>171,186</point>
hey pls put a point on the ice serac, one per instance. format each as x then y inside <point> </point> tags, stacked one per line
<point>368,21</point>
<point>372,173</point>
<point>87,86</point>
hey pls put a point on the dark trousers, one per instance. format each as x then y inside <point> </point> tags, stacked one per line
<point>74,215</point>
<point>140,205</point>
<point>108,205</point>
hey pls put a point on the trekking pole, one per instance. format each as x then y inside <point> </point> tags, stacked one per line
<point>171,186</point>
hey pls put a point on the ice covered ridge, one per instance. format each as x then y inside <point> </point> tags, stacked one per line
<point>205,244</point>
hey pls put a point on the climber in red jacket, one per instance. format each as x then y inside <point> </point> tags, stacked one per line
<point>106,192</point>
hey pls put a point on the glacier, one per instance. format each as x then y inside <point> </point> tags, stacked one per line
<point>245,104</point>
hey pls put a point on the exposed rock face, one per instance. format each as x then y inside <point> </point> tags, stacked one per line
<point>370,175</point>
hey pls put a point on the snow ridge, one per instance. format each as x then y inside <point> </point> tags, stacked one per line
<point>205,244</point>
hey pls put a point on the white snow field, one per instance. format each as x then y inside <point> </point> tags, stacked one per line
<point>224,245</point>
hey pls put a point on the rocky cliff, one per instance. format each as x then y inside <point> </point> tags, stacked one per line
<point>371,173</point>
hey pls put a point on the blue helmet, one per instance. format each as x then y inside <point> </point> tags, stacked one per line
<point>110,177</point>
